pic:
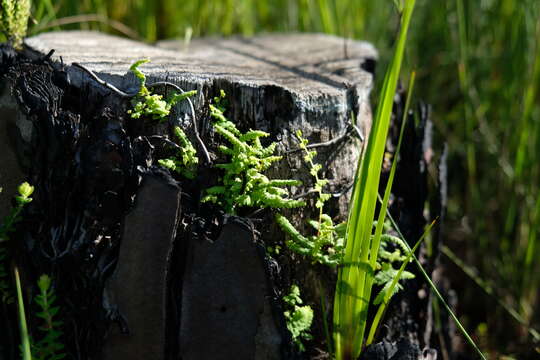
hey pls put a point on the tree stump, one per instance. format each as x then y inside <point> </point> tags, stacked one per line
<point>98,185</point>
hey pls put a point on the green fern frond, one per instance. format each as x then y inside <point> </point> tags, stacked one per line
<point>382,294</point>
<point>152,105</point>
<point>243,183</point>
<point>50,346</point>
<point>325,248</point>
<point>386,272</point>
<point>387,238</point>
<point>327,245</point>
<point>298,318</point>
<point>185,162</point>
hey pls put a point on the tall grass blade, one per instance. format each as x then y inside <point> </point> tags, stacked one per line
<point>488,288</point>
<point>378,231</point>
<point>436,291</point>
<point>25,338</point>
<point>355,276</point>
<point>388,190</point>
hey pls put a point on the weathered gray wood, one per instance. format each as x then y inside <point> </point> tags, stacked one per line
<point>138,285</point>
<point>276,83</point>
<point>309,65</point>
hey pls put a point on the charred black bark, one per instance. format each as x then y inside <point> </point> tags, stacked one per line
<point>86,166</point>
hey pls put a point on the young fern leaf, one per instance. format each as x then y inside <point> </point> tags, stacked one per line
<point>387,238</point>
<point>50,346</point>
<point>385,277</point>
<point>8,226</point>
<point>386,273</point>
<point>185,162</point>
<point>152,105</point>
<point>298,318</point>
<point>389,289</point>
<point>326,246</point>
<point>243,183</point>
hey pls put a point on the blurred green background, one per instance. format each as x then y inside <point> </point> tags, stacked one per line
<point>478,64</point>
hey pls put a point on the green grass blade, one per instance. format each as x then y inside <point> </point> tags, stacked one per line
<point>351,303</point>
<point>488,288</point>
<point>376,242</point>
<point>25,338</point>
<point>436,291</point>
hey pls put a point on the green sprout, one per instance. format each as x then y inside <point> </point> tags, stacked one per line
<point>185,162</point>
<point>6,228</point>
<point>23,198</point>
<point>49,347</point>
<point>298,318</point>
<point>244,184</point>
<point>152,105</point>
<point>326,246</point>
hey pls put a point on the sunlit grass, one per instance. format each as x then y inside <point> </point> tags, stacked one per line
<point>356,275</point>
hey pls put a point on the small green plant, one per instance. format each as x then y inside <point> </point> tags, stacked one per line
<point>298,317</point>
<point>14,15</point>
<point>50,346</point>
<point>6,228</point>
<point>185,162</point>
<point>152,105</point>
<point>23,198</point>
<point>326,246</point>
<point>244,184</point>
<point>392,277</point>
<point>386,273</point>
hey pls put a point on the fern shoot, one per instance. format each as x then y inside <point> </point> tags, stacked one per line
<point>326,246</point>
<point>152,105</point>
<point>298,318</point>
<point>185,162</point>
<point>25,190</point>
<point>386,272</point>
<point>8,226</point>
<point>50,347</point>
<point>244,183</point>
